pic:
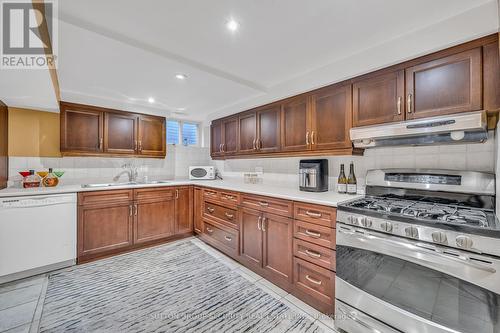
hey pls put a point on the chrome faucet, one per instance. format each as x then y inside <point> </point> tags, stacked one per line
<point>130,170</point>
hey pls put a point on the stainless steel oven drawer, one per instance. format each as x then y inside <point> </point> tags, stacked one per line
<point>351,320</point>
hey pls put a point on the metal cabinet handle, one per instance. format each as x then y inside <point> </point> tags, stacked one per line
<point>136,209</point>
<point>263,203</point>
<point>254,144</point>
<point>310,279</point>
<point>399,105</point>
<point>264,224</point>
<point>258,223</point>
<point>209,230</point>
<point>223,147</point>
<point>210,209</point>
<point>140,146</point>
<point>408,102</point>
<point>101,141</point>
<point>229,216</point>
<point>259,144</point>
<point>313,234</point>
<point>130,210</point>
<point>307,138</point>
<point>229,197</point>
<point>220,148</point>
<point>313,254</point>
<point>177,194</point>
<point>228,238</point>
<point>136,146</point>
<point>313,214</point>
<point>209,193</point>
<point>312,137</point>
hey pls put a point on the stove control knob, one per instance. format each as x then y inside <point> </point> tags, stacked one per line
<point>351,219</point>
<point>411,232</point>
<point>360,221</point>
<point>464,242</point>
<point>386,226</point>
<point>439,237</point>
<point>367,223</point>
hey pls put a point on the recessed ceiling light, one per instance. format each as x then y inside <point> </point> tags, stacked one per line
<point>232,25</point>
<point>181,76</point>
<point>181,109</point>
<point>151,100</point>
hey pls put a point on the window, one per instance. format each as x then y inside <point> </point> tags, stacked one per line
<point>189,133</point>
<point>172,132</point>
<point>182,133</point>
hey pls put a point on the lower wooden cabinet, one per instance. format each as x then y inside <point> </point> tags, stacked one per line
<point>316,283</point>
<point>224,238</point>
<point>110,222</point>
<point>198,210</point>
<point>251,237</point>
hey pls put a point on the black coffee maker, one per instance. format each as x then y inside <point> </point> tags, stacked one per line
<point>313,175</point>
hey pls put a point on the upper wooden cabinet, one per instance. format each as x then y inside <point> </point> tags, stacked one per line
<point>247,136</point>
<point>268,129</point>
<point>296,124</point>
<point>91,131</point>
<point>230,135</point>
<point>378,99</point>
<point>82,129</point>
<point>445,86</point>
<point>331,118</point>
<point>216,138</point>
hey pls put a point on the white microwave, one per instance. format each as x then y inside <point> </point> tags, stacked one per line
<point>201,172</point>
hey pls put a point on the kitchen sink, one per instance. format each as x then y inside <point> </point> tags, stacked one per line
<point>125,184</point>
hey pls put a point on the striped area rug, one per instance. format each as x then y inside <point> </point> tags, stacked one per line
<point>172,288</point>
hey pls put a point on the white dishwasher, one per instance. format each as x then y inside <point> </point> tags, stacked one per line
<point>37,234</point>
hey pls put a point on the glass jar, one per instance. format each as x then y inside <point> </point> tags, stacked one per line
<point>50,180</point>
<point>32,180</point>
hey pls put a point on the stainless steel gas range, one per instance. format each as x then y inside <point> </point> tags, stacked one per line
<point>420,253</point>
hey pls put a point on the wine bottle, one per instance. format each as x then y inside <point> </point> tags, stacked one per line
<point>342,181</point>
<point>352,187</point>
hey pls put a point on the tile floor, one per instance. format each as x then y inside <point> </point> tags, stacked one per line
<point>21,302</point>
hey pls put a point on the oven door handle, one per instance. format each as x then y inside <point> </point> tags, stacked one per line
<point>415,248</point>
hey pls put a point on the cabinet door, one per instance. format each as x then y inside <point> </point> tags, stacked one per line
<point>183,210</point>
<point>379,99</point>
<point>251,237</point>
<point>104,228</point>
<point>152,137</point>
<point>230,136</point>
<point>120,133</point>
<point>277,243</point>
<point>247,133</point>
<point>81,130</point>
<point>295,122</point>
<point>269,129</point>
<point>331,118</point>
<point>198,210</point>
<point>154,219</point>
<point>216,138</point>
<point>444,86</point>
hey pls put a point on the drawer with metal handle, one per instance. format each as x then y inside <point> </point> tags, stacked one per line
<point>228,197</point>
<point>221,214</point>
<point>317,214</point>
<point>314,281</point>
<point>266,204</point>
<point>221,236</point>
<point>211,194</point>
<point>314,233</point>
<point>315,254</point>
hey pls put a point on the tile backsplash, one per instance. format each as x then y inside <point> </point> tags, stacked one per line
<point>474,157</point>
<point>92,169</point>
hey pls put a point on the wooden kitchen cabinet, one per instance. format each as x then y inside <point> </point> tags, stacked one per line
<point>269,129</point>
<point>230,136</point>
<point>183,210</point>
<point>198,210</point>
<point>82,129</point>
<point>94,131</point>
<point>296,124</point>
<point>251,237</point>
<point>444,86</point>
<point>120,134</point>
<point>277,246</point>
<point>247,135</point>
<point>216,138</point>
<point>152,136</point>
<point>4,145</point>
<point>154,214</point>
<point>379,99</point>
<point>331,117</point>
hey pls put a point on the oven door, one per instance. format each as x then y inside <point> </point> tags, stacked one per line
<point>416,287</point>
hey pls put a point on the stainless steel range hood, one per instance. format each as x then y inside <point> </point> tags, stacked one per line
<point>458,128</point>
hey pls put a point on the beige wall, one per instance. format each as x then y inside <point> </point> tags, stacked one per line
<point>33,133</point>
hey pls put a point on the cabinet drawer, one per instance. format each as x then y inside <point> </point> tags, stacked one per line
<point>228,197</point>
<point>222,236</point>
<point>267,204</point>
<point>315,254</point>
<point>148,194</point>
<point>105,197</point>
<point>317,214</point>
<point>223,214</point>
<point>315,281</point>
<point>314,233</point>
<point>211,194</point>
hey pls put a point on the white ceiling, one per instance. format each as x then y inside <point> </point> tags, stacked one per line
<point>118,53</point>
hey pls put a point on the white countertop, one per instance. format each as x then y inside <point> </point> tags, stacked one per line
<point>329,198</point>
